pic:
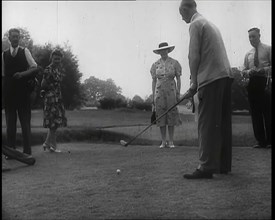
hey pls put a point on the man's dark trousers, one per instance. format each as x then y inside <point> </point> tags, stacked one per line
<point>23,109</point>
<point>215,126</point>
<point>260,109</point>
<point>17,98</point>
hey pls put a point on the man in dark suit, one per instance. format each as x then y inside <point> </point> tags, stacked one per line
<point>18,68</point>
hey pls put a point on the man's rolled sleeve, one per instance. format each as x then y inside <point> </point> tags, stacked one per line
<point>31,61</point>
<point>153,71</point>
<point>268,68</point>
<point>178,69</point>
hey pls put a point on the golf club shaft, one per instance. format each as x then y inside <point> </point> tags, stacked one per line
<point>168,110</point>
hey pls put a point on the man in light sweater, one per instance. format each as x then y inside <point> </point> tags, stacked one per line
<point>211,78</point>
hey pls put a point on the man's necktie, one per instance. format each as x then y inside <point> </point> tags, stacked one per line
<point>256,59</point>
<point>13,53</point>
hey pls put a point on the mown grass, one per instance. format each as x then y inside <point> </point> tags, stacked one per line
<point>109,118</point>
<point>83,184</point>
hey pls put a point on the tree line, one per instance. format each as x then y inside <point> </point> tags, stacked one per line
<point>92,92</point>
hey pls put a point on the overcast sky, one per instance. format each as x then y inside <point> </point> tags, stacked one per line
<point>115,39</point>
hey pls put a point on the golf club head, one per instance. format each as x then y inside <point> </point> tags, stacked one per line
<point>123,143</point>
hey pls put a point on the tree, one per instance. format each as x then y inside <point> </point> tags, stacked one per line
<point>97,89</point>
<point>121,101</point>
<point>111,90</point>
<point>137,99</point>
<point>138,103</point>
<point>149,99</point>
<point>239,93</point>
<point>71,83</point>
<point>91,87</point>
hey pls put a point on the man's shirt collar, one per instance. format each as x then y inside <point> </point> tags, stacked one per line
<point>16,49</point>
<point>193,17</point>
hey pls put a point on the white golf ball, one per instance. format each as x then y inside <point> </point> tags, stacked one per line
<point>118,171</point>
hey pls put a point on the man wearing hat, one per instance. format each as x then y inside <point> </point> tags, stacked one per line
<point>211,78</point>
<point>166,91</point>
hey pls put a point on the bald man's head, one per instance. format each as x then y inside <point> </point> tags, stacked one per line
<point>187,9</point>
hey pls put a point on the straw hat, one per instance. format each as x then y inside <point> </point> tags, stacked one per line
<point>164,46</point>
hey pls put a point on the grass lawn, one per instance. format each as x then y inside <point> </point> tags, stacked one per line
<point>83,184</point>
<point>112,118</point>
<point>94,118</point>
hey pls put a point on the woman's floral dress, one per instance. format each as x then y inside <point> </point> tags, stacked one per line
<point>54,111</point>
<point>165,92</point>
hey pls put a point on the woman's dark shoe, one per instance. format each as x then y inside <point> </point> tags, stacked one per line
<point>198,174</point>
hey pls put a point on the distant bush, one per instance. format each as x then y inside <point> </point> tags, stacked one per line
<point>142,106</point>
<point>138,103</point>
<point>120,103</point>
<point>111,103</point>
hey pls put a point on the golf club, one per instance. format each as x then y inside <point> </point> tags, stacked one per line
<point>125,144</point>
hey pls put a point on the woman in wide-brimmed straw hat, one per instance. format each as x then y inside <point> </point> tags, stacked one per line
<point>166,91</point>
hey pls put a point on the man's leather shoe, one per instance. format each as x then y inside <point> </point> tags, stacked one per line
<point>259,146</point>
<point>198,174</point>
<point>5,169</point>
<point>268,146</point>
<point>8,158</point>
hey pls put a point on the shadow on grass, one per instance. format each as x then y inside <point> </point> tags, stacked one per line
<point>102,135</point>
<point>92,135</point>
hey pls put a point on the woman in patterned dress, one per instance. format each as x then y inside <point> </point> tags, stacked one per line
<point>54,111</point>
<point>166,91</point>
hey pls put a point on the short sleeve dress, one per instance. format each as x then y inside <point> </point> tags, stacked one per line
<point>165,92</point>
<point>54,111</point>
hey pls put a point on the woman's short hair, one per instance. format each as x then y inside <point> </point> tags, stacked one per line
<point>56,52</point>
<point>254,29</point>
